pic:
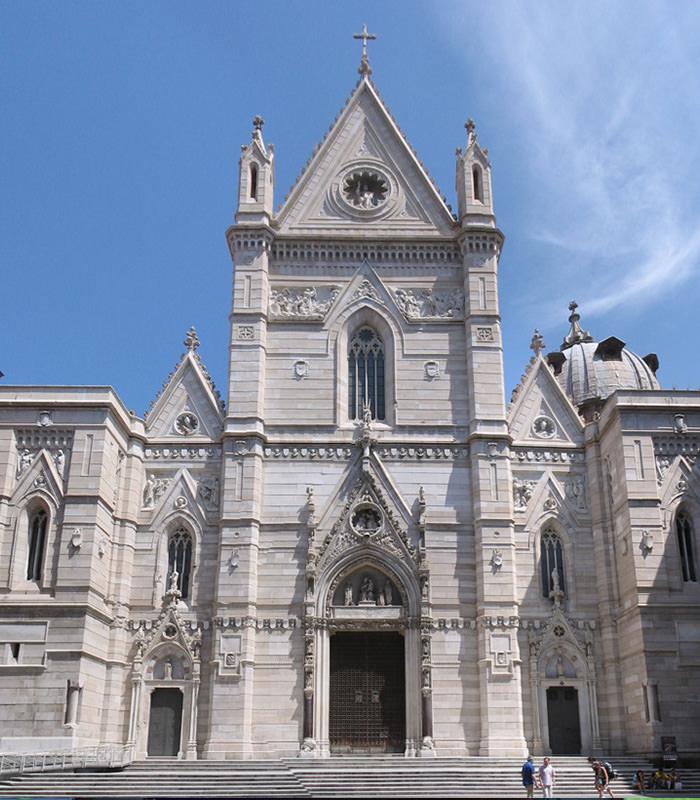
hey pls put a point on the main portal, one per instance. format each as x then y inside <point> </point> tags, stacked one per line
<point>367,693</point>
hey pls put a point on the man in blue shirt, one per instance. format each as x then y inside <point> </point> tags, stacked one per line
<point>528,774</point>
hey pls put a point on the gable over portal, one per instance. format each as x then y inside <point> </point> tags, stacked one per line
<point>365,176</point>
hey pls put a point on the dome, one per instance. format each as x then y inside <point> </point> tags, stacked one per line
<point>589,370</point>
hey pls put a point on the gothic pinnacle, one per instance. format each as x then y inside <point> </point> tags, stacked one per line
<point>191,339</point>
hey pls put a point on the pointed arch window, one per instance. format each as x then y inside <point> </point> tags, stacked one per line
<point>180,559</point>
<point>366,374</point>
<point>253,182</point>
<point>38,523</point>
<point>551,558</point>
<point>686,546</point>
<point>476,180</point>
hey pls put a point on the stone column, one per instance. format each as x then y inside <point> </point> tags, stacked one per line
<point>191,754</point>
<point>74,689</point>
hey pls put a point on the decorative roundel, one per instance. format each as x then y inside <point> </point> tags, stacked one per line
<point>187,423</point>
<point>170,631</point>
<point>544,427</point>
<point>366,520</point>
<point>365,188</point>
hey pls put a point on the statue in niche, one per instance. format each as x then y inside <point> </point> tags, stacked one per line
<point>387,594</point>
<point>348,594</point>
<point>424,587</point>
<point>367,590</point>
<point>560,666</point>
<point>381,601</point>
<point>366,520</point>
<point>168,670</point>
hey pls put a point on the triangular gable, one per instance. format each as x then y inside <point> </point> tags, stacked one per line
<point>365,287</point>
<point>179,499</point>
<point>365,488</point>
<point>365,138</point>
<point>549,500</point>
<point>187,390</point>
<point>40,476</point>
<point>541,399</point>
<point>680,478</point>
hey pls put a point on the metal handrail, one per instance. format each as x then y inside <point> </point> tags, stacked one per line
<point>102,755</point>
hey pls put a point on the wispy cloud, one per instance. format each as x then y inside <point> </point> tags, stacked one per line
<point>606,98</point>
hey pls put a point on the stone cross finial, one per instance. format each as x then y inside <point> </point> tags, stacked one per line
<point>537,344</point>
<point>191,339</point>
<point>576,333</point>
<point>364,61</point>
<point>258,123</point>
<point>470,126</point>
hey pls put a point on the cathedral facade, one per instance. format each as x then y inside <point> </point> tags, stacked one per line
<point>364,549</point>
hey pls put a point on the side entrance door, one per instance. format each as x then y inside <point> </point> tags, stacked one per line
<point>564,725</point>
<point>367,693</point>
<point>165,722</point>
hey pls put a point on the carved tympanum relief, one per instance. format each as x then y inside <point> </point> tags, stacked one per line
<point>429,304</point>
<point>306,304</point>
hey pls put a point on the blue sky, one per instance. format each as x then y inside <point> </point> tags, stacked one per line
<point>122,124</point>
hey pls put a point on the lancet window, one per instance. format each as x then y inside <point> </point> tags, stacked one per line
<point>551,562</point>
<point>180,559</point>
<point>38,523</point>
<point>686,536</point>
<point>366,375</point>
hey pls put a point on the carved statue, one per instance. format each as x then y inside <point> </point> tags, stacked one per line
<point>149,492</point>
<point>366,414</point>
<point>424,587</point>
<point>556,585</point>
<point>196,643</point>
<point>560,666</point>
<point>140,642</point>
<point>387,593</point>
<point>348,594</point>
<point>168,670</point>
<point>25,460</point>
<point>60,461</point>
<point>367,590</point>
<point>173,582</point>
<point>522,493</point>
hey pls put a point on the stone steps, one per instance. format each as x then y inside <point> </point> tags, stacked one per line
<point>348,776</point>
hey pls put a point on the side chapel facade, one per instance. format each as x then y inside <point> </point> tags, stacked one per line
<point>364,549</point>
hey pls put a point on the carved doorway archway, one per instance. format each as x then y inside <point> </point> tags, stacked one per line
<point>367,711</point>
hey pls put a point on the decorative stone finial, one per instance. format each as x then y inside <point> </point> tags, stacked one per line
<point>576,334</point>
<point>191,339</point>
<point>470,125</point>
<point>364,68</point>
<point>537,344</point>
<point>258,123</point>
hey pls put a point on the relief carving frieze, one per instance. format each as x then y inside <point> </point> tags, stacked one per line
<point>429,304</point>
<point>30,443</point>
<point>301,304</point>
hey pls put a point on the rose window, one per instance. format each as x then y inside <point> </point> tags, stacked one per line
<point>365,189</point>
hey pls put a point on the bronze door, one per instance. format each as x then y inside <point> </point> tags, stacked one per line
<point>564,726</point>
<point>367,693</point>
<point>165,722</point>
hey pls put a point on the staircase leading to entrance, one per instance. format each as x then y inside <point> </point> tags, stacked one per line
<point>389,776</point>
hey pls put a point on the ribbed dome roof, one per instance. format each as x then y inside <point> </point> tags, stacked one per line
<point>588,370</point>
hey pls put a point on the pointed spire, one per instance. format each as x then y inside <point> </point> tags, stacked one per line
<point>364,68</point>
<point>537,344</point>
<point>576,334</point>
<point>191,339</point>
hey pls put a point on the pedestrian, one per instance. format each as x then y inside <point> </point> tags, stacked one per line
<point>601,777</point>
<point>528,772</point>
<point>548,777</point>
